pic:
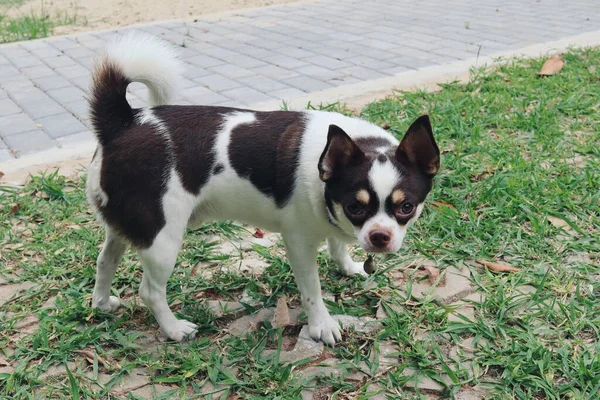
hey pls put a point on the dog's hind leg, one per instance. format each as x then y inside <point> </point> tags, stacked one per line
<point>338,251</point>
<point>106,266</point>
<point>158,262</point>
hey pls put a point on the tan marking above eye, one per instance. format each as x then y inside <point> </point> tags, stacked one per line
<point>398,196</point>
<point>363,196</point>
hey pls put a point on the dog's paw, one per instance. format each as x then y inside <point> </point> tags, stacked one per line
<point>181,330</point>
<point>109,305</point>
<point>354,268</point>
<point>325,329</point>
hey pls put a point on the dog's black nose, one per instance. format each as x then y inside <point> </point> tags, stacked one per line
<point>380,238</point>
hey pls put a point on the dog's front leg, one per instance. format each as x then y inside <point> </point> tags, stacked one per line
<point>338,251</point>
<point>302,254</point>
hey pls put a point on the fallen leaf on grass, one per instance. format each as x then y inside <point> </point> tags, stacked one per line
<point>432,273</point>
<point>14,208</point>
<point>495,267</point>
<point>282,313</point>
<point>442,203</point>
<point>89,356</point>
<point>552,66</point>
<point>385,126</point>
<point>3,362</point>
<point>258,233</point>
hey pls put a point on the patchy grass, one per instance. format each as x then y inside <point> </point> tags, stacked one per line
<point>520,183</point>
<point>14,28</point>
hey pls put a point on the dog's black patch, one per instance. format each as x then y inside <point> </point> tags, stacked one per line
<point>218,169</point>
<point>135,184</point>
<point>110,112</point>
<point>369,144</point>
<point>193,130</point>
<point>266,152</point>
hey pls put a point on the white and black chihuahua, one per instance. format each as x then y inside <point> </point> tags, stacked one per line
<point>310,175</point>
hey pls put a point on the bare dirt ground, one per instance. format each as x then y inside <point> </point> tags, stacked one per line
<point>92,15</point>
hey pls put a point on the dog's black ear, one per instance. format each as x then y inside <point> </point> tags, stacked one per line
<point>339,152</point>
<point>418,147</point>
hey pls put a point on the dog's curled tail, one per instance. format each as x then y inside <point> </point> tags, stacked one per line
<point>133,57</point>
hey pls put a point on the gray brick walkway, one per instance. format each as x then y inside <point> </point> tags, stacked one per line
<point>274,53</point>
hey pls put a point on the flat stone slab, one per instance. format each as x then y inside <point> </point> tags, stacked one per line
<point>7,292</point>
<point>454,285</point>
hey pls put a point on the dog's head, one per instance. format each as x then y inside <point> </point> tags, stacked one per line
<point>374,190</point>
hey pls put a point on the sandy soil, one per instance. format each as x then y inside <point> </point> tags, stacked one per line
<point>104,14</point>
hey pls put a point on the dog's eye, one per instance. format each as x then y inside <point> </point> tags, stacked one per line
<point>405,209</point>
<point>355,209</point>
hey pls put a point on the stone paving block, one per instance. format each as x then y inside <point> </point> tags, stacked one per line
<point>59,61</point>
<point>73,71</point>
<point>275,72</point>
<point>12,51</point>
<point>246,95</point>
<point>79,52</point>
<point>244,61</point>
<point>288,93</point>
<point>284,61</point>
<point>77,138</point>
<point>38,71</point>
<point>42,108</point>
<point>8,107</point>
<point>67,94</point>
<point>261,83</point>
<point>61,125</point>
<point>8,71</point>
<point>321,73</point>
<point>79,109</point>
<point>83,82</point>
<point>204,61</point>
<point>327,62</point>
<point>191,71</point>
<point>29,142</point>
<point>22,94</point>
<point>15,123</point>
<point>5,155</point>
<point>307,84</point>
<point>232,71</point>
<point>217,83</point>
<point>64,43</point>
<point>294,52</point>
<point>22,62</point>
<point>200,95</point>
<point>87,62</point>
<point>363,73</point>
<point>51,82</point>
<point>370,63</point>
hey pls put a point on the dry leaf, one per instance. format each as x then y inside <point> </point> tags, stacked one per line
<point>495,267</point>
<point>282,313</point>
<point>432,273</point>
<point>559,223</point>
<point>442,203</point>
<point>552,66</point>
<point>3,362</point>
<point>385,126</point>
<point>15,207</point>
<point>74,227</point>
<point>1,174</point>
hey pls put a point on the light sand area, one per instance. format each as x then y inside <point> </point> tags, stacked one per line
<point>105,14</point>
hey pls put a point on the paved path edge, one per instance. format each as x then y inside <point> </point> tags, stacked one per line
<point>70,158</point>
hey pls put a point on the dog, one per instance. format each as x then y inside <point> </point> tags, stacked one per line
<point>309,175</point>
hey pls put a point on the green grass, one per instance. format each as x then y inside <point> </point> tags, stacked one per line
<point>31,26</point>
<point>517,149</point>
